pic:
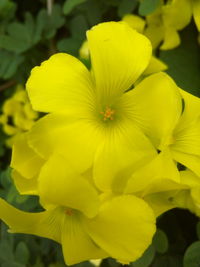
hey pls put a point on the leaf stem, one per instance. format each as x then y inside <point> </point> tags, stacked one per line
<point>49,7</point>
<point>7,85</point>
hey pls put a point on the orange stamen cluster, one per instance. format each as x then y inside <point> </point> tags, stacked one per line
<point>69,212</point>
<point>108,114</point>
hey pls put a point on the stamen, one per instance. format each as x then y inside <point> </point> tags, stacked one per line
<point>108,114</point>
<point>69,212</point>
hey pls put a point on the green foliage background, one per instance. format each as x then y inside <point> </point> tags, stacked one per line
<point>31,31</point>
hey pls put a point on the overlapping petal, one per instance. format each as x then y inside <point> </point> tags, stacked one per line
<point>24,159</point>
<point>45,224</point>
<point>191,109</point>
<point>77,245</point>
<point>188,160</point>
<point>57,225</point>
<point>155,65</point>
<point>122,233</point>
<point>62,186</point>
<point>161,202</point>
<point>188,138</point>
<point>125,150</point>
<point>155,105</point>
<point>75,139</point>
<point>161,174</point>
<point>25,186</point>
<point>119,55</point>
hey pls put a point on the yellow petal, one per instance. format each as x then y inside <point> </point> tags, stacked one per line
<point>125,149</point>
<point>25,186</point>
<point>177,14</point>
<point>11,106</point>
<point>189,178</point>
<point>171,39</point>
<point>84,52</point>
<point>20,95</point>
<point>135,22</point>
<point>156,106</point>
<point>191,109</point>
<point>3,119</point>
<point>45,224</point>
<point>60,83</point>
<point>192,162</point>
<point>10,130</point>
<point>155,65</point>
<point>187,138</point>
<point>123,228</point>
<point>184,200</point>
<point>24,159</point>
<point>155,176</point>
<point>75,139</point>
<point>196,12</point>
<point>161,202</point>
<point>155,33</point>
<point>77,245</point>
<point>55,224</point>
<point>119,55</point>
<point>59,184</point>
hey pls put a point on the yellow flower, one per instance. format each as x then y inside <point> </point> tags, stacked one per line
<point>91,118</point>
<point>163,25</point>
<point>17,116</point>
<point>75,217</point>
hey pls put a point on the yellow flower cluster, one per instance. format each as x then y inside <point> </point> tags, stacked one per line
<point>163,25</point>
<point>18,115</point>
<point>171,16</point>
<point>108,158</point>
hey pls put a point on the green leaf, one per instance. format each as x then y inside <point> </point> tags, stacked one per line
<point>12,264</point>
<point>6,252</point>
<point>47,25</point>
<point>126,6</point>
<point>184,61</point>
<point>192,255</point>
<point>160,241</point>
<point>5,178</point>
<point>148,6</point>
<point>69,5</point>
<point>7,9</point>
<point>93,11</point>
<point>69,45</point>
<point>78,26</point>
<point>19,36</point>
<point>146,258</point>
<point>22,254</point>
<point>168,261</point>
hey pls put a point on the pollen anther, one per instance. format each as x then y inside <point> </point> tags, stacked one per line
<point>69,212</point>
<point>108,114</point>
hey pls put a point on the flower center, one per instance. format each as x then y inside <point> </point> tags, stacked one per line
<point>108,114</point>
<point>69,212</point>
